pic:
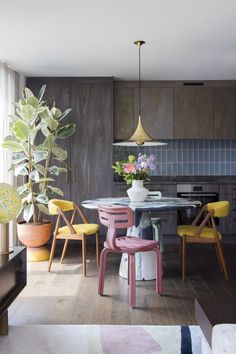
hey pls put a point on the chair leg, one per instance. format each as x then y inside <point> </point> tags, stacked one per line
<point>97,248</point>
<point>180,252</point>
<point>64,250</point>
<point>128,270</point>
<point>84,255</point>
<point>132,280</point>
<point>159,271</point>
<point>52,252</point>
<point>102,269</point>
<point>218,256</point>
<point>222,259</point>
<point>183,257</point>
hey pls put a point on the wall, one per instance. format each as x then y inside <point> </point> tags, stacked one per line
<point>188,157</point>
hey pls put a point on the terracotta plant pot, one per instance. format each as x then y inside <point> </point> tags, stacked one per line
<point>34,235</point>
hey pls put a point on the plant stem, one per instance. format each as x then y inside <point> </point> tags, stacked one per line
<point>31,184</point>
<point>45,176</point>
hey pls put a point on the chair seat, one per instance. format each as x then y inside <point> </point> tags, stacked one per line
<point>131,244</point>
<point>188,230</point>
<point>87,229</point>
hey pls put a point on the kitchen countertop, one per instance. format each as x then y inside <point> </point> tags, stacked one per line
<point>187,179</point>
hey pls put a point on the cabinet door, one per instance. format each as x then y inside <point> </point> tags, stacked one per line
<point>58,91</point>
<point>91,146</point>
<point>228,224</point>
<point>157,111</point>
<point>225,113</point>
<point>193,112</point>
<point>123,112</point>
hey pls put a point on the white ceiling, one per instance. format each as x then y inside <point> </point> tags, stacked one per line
<point>185,39</point>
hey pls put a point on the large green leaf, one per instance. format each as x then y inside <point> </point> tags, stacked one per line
<point>59,153</point>
<point>32,134</point>
<point>17,157</point>
<point>21,170</point>
<point>54,170</point>
<point>66,131</point>
<point>56,113</point>
<point>21,130</point>
<point>65,113</point>
<point>41,93</point>
<point>42,198</point>
<point>13,146</point>
<point>39,155</point>
<point>28,212</point>
<point>23,189</point>
<point>39,168</point>
<point>46,113</point>
<point>40,109</point>
<point>29,198</point>
<point>28,112</point>
<point>51,123</point>
<point>34,175</point>
<point>33,101</point>
<point>49,142</point>
<point>28,93</point>
<point>43,209</point>
<point>55,190</point>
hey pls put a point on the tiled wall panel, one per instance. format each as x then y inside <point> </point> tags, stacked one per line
<point>199,157</point>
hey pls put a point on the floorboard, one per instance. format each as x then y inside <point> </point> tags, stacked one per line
<point>65,297</point>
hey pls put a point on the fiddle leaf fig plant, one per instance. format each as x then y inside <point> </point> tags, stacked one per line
<point>36,132</point>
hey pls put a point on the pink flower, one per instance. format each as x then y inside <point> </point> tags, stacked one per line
<point>129,168</point>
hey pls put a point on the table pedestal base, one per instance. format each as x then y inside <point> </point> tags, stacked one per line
<point>145,265</point>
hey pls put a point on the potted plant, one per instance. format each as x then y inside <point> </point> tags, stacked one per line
<point>136,171</point>
<point>36,131</point>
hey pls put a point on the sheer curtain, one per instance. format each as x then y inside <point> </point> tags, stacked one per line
<point>11,86</point>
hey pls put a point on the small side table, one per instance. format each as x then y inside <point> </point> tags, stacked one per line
<point>212,311</point>
<point>12,280</point>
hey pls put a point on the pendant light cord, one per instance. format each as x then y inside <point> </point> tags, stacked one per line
<point>139,80</point>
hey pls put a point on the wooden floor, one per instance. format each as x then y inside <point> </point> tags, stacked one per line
<point>65,297</point>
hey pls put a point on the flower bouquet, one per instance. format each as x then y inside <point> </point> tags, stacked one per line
<point>136,171</point>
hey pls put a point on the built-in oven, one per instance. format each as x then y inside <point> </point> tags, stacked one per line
<point>205,193</point>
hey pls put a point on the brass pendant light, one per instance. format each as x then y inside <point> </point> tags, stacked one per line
<point>140,136</point>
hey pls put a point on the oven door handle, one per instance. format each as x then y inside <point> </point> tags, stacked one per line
<point>198,195</point>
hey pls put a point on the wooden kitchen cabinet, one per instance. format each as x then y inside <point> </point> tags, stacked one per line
<point>90,148</point>
<point>123,112</point>
<point>225,113</point>
<point>157,111</point>
<point>228,224</point>
<point>193,112</point>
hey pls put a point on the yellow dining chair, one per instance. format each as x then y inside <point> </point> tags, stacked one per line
<point>71,231</point>
<point>204,232</point>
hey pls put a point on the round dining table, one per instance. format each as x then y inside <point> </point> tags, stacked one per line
<point>145,261</point>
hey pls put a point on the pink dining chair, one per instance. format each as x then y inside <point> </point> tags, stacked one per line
<point>121,218</point>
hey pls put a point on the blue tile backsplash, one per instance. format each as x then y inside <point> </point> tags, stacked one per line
<point>199,157</point>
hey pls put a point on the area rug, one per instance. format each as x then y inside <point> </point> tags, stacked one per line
<point>106,339</point>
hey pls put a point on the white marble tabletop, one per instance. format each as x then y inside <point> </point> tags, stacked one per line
<point>151,203</point>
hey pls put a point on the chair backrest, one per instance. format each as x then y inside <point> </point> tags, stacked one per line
<point>115,218</point>
<point>59,207</point>
<point>156,194</point>
<point>221,209</point>
<point>55,205</point>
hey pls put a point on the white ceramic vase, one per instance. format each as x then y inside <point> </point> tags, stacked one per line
<point>137,193</point>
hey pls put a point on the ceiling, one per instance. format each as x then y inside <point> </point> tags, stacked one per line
<point>185,39</point>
